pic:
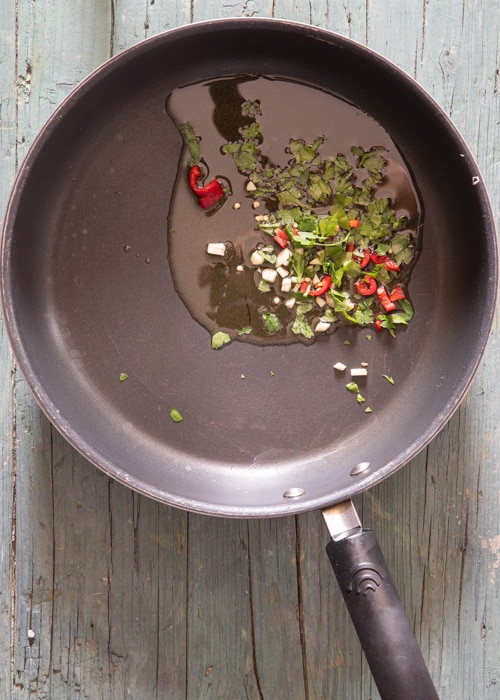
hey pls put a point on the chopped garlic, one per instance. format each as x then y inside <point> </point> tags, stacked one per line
<point>269,274</point>
<point>256,258</point>
<point>216,249</point>
<point>321,302</point>
<point>261,217</point>
<point>286,284</point>
<point>290,303</point>
<point>283,257</point>
<point>340,366</point>
<point>250,187</point>
<point>322,326</point>
<point>282,271</point>
<point>359,372</point>
<point>256,205</point>
<point>236,205</point>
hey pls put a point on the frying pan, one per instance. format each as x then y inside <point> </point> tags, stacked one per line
<point>88,295</point>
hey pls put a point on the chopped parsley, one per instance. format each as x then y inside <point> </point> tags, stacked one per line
<point>326,211</point>
<point>219,339</point>
<point>352,386</point>
<point>176,416</point>
<point>271,322</point>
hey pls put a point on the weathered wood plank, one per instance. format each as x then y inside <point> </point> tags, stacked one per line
<point>8,72</point>
<point>52,57</point>
<point>129,598</point>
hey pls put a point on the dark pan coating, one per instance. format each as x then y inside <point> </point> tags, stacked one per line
<point>87,291</point>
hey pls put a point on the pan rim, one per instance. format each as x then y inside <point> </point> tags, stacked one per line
<point>42,395</point>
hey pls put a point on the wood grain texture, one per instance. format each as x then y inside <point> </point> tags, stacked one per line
<point>106,594</point>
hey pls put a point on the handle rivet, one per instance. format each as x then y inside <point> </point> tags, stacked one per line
<point>295,492</point>
<point>360,468</point>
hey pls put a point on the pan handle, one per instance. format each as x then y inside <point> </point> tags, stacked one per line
<point>391,649</point>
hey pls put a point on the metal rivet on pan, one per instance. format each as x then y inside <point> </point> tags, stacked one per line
<point>360,468</point>
<point>293,493</point>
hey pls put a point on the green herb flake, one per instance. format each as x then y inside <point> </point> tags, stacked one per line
<point>301,325</point>
<point>191,141</point>
<point>219,339</point>
<point>389,379</point>
<point>368,410</point>
<point>176,416</point>
<point>245,331</point>
<point>331,243</point>
<point>352,386</point>
<point>250,109</point>
<point>360,399</point>
<point>123,376</point>
<point>271,322</point>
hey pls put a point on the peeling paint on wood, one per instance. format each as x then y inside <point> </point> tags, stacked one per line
<point>106,594</point>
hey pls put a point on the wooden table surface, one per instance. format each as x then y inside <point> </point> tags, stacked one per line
<point>107,594</point>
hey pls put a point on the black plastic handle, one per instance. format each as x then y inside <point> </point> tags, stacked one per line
<point>380,620</point>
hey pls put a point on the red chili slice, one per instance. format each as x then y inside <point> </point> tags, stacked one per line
<point>383,297</point>
<point>354,223</point>
<point>397,294</point>
<point>322,288</point>
<point>392,265</point>
<point>194,176</point>
<point>367,286</point>
<point>389,263</point>
<point>378,259</point>
<point>281,238</point>
<point>366,259</point>
<point>208,194</point>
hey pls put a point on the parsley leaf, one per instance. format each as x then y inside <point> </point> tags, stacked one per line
<point>191,141</point>
<point>176,416</point>
<point>219,339</point>
<point>271,322</point>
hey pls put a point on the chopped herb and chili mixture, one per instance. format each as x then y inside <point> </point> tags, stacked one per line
<point>333,250</point>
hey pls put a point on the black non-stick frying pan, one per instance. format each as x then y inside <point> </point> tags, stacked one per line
<point>88,296</point>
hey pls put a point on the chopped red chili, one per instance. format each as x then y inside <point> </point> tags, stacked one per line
<point>378,324</point>
<point>383,297</point>
<point>392,265</point>
<point>366,259</point>
<point>367,286</point>
<point>323,286</point>
<point>389,263</point>
<point>397,294</point>
<point>378,259</point>
<point>208,195</point>
<point>281,237</point>
<point>354,223</point>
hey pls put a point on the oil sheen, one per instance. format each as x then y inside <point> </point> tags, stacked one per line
<point>222,293</point>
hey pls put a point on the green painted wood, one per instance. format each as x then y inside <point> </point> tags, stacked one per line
<point>106,594</point>
<point>8,71</point>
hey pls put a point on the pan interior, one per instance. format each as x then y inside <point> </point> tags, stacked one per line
<point>88,294</point>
